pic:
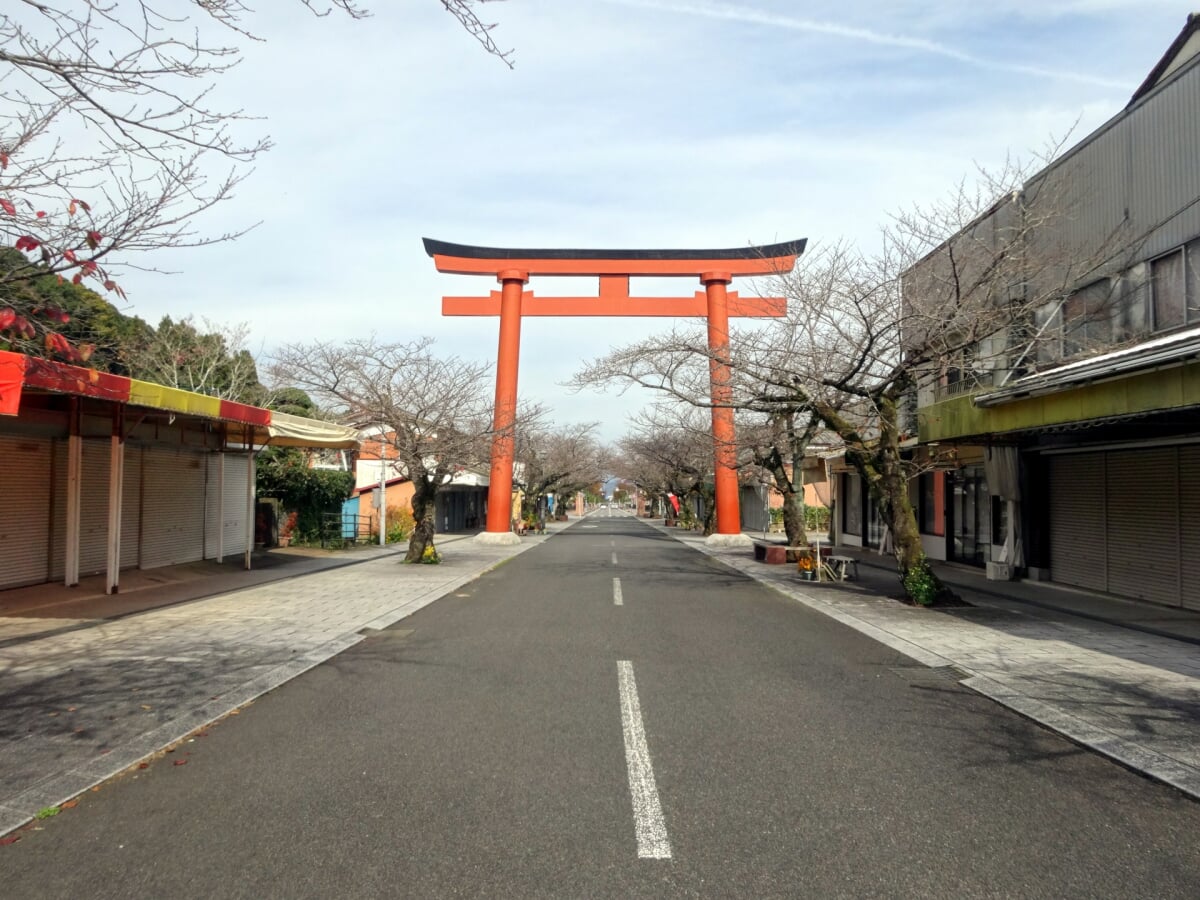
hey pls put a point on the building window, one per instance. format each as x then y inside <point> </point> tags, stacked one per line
<point>932,500</point>
<point>1087,317</point>
<point>1168,290</point>
<point>1175,287</point>
<point>1047,323</point>
<point>852,508</point>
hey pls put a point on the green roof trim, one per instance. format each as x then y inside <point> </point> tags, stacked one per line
<point>958,417</point>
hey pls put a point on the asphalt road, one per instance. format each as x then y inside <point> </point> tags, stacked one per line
<point>529,736</point>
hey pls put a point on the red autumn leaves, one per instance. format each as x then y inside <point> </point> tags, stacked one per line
<point>25,327</point>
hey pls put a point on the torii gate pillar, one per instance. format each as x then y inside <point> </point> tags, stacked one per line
<point>715,269</point>
<point>505,414</point>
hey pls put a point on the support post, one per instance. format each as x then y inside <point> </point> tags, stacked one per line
<point>725,484</point>
<point>251,518</point>
<point>221,505</point>
<point>505,415</point>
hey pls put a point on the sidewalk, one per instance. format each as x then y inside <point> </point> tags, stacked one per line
<point>90,685</point>
<point>1119,677</point>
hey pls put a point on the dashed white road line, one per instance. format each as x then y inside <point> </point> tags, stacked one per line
<point>648,822</point>
<point>614,558</point>
<point>618,600</point>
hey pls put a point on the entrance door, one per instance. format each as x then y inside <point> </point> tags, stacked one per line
<point>970,515</point>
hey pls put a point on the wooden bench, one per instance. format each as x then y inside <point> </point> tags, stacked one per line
<point>775,554</point>
<point>839,565</point>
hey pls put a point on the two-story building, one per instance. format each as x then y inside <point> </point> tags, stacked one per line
<point>1065,445</point>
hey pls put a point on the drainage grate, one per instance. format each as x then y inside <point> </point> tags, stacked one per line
<point>931,674</point>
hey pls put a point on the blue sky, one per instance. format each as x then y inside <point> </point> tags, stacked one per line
<point>630,123</point>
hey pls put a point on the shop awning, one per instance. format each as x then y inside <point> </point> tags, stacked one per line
<point>295,431</point>
<point>20,373</point>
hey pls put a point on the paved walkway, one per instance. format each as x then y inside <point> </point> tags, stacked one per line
<point>1119,677</point>
<point>83,695</point>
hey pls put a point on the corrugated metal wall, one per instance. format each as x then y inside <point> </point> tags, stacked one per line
<point>173,513</point>
<point>25,485</point>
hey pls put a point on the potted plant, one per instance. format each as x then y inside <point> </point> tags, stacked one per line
<point>806,566</point>
<point>286,529</point>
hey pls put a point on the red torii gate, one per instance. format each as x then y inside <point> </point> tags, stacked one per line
<point>714,268</point>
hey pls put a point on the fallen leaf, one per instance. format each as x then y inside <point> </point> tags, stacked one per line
<point>52,715</point>
<point>11,839</point>
<point>71,708</point>
<point>147,706</point>
<point>181,762</point>
<point>96,789</point>
<point>70,804</point>
<point>143,765</point>
<point>235,712</point>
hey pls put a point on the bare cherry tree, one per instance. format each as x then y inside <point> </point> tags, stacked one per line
<point>558,459</point>
<point>111,141</point>
<point>772,434</point>
<point>669,450</point>
<point>433,410</point>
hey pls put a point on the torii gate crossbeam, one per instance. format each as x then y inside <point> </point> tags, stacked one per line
<point>715,269</point>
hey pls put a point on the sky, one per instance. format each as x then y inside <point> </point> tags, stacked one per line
<point>624,123</point>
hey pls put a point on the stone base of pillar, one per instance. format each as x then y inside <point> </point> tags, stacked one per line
<point>728,540</point>
<point>497,538</point>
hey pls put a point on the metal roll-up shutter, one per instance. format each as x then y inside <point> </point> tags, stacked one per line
<point>237,473</point>
<point>1143,523</point>
<point>172,507</point>
<point>58,510</point>
<point>25,485</point>
<point>1078,536</point>
<point>1189,526</point>
<point>232,514</point>
<point>96,456</point>
<point>131,506</point>
<point>93,507</point>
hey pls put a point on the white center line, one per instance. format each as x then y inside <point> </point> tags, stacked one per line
<point>617,599</point>
<point>614,558</point>
<point>649,826</point>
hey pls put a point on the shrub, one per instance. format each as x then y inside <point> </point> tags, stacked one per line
<point>920,583</point>
<point>400,523</point>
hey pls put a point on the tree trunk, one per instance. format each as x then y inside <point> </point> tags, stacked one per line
<point>890,481</point>
<point>793,518</point>
<point>423,506</point>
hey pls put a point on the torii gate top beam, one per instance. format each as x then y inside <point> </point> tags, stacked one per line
<point>463,259</point>
<point>614,268</point>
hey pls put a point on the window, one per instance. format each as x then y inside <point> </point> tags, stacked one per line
<point>1166,276</point>
<point>931,494</point>
<point>852,508</point>
<point>1175,287</point>
<point>1047,323</point>
<point>1087,319</point>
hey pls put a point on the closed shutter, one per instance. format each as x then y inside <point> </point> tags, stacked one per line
<point>232,520</point>
<point>93,507</point>
<point>1143,522</point>
<point>1189,526</point>
<point>172,507</point>
<point>58,511</point>
<point>25,485</point>
<point>131,506</point>
<point>1078,536</point>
